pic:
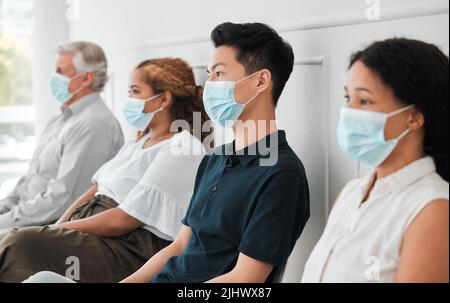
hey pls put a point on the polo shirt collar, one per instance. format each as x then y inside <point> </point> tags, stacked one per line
<point>80,105</point>
<point>403,178</point>
<point>254,151</point>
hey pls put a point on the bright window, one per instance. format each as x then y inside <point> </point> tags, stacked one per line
<point>17,136</point>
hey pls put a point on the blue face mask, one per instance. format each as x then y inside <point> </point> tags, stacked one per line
<point>59,86</point>
<point>134,113</point>
<point>220,102</point>
<point>361,135</point>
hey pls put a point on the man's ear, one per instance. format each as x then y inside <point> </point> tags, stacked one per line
<point>416,120</point>
<point>88,79</point>
<point>265,81</point>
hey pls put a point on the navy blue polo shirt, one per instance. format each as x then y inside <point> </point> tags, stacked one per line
<point>241,206</point>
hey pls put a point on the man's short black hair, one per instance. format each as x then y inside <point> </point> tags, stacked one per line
<point>258,47</point>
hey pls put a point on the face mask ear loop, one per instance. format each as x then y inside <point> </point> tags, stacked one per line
<point>76,76</point>
<point>77,90</point>
<point>402,136</point>
<point>246,78</point>
<point>153,98</point>
<point>156,111</point>
<point>401,110</point>
<point>159,110</point>
<point>252,99</point>
<point>256,96</point>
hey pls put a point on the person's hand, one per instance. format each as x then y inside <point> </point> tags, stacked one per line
<point>55,226</point>
<point>60,221</point>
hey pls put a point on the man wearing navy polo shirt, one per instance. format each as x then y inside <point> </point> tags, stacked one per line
<point>251,197</point>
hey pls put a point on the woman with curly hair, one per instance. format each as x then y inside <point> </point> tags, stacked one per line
<point>393,224</point>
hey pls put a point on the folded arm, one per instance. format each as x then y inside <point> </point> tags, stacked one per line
<point>109,224</point>
<point>80,202</point>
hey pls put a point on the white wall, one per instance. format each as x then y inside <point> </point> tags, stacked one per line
<point>50,28</point>
<point>324,33</point>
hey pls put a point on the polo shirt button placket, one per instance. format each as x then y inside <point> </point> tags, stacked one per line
<point>214,188</point>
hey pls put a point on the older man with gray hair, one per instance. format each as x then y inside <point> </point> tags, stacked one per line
<point>74,145</point>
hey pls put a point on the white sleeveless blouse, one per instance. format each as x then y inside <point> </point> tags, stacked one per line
<point>362,242</point>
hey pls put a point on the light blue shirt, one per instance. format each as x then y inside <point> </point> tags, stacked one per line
<point>74,145</point>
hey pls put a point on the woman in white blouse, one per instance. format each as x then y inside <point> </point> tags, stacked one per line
<point>393,225</point>
<point>137,202</point>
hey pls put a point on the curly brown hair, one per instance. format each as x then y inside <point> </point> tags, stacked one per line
<point>174,75</point>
